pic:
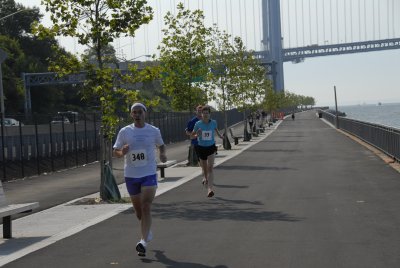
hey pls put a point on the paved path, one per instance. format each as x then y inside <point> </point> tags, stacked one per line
<point>305,196</point>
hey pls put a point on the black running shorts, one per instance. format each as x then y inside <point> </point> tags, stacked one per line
<point>204,151</point>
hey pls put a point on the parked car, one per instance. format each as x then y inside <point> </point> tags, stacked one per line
<point>60,120</point>
<point>72,116</point>
<point>8,122</point>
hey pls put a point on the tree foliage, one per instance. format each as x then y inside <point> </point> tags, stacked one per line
<point>19,23</point>
<point>183,58</point>
<point>96,23</point>
<point>275,101</point>
<point>25,53</point>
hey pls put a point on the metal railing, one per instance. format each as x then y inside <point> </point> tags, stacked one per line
<point>43,144</point>
<point>386,139</point>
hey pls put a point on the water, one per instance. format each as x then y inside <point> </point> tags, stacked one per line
<point>387,114</point>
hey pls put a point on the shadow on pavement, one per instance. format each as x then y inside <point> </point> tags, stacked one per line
<point>237,210</point>
<point>162,258</point>
<point>273,151</point>
<point>230,186</point>
<point>226,167</point>
<point>12,245</point>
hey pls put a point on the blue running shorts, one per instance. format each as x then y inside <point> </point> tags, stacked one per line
<point>134,185</point>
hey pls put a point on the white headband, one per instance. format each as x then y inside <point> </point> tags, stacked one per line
<point>138,104</point>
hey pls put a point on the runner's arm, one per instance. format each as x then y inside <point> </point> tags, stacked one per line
<point>121,152</point>
<point>163,156</point>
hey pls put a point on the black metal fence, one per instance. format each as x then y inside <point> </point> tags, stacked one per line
<point>387,139</point>
<point>46,144</point>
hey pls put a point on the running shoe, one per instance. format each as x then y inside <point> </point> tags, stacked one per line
<point>149,236</point>
<point>210,194</point>
<point>141,249</point>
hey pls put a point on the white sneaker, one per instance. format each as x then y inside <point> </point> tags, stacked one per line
<point>149,236</point>
<point>141,248</point>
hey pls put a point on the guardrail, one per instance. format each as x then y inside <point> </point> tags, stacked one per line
<point>386,139</point>
<point>39,146</point>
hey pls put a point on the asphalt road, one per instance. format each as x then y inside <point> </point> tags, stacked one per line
<point>306,196</point>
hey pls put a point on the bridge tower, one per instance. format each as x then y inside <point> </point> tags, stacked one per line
<point>272,41</point>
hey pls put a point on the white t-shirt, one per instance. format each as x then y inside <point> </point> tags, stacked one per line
<point>140,161</point>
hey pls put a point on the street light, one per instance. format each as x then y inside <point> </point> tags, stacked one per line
<point>12,14</point>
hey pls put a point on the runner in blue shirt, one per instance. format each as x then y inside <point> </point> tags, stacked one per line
<point>204,130</point>
<point>188,130</point>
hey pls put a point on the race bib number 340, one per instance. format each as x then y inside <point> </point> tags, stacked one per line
<point>138,158</point>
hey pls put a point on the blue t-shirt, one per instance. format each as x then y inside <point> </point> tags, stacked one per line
<point>190,126</point>
<point>207,132</point>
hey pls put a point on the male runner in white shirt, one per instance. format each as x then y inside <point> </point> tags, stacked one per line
<point>137,143</point>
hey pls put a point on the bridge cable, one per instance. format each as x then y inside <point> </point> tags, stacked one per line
<point>226,16</point>
<point>359,20</point>
<point>212,12</point>
<point>254,25</point>
<point>345,21</point>
<point>387,16</point>
<point>295,23</point>
<point>323,22</point>
<point>393,19</point>
<point>309,15</point>
<point>302,20</point>
<point>337,21</point>
<point>351,21</point>
<point>288,8</point>
<point>365,20</point>
<point>330,16</point>
<point>216,11</point>
<point>232,35</point>
<point>245,23</point>
<point>316,19</point>
<point>240,18</point>
<point>373,18</point>
<point>159,19</point>
<point>379,20</point>
<point>260,12</point>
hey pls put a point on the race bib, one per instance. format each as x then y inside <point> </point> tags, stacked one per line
<point>138,158</point>
<point>206,135</point>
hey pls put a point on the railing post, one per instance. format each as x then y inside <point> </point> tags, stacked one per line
<point>2,147</point>
<point>37,145</point>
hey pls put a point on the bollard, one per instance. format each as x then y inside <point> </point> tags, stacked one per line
<point>193,160</point>
<point>226,143</point>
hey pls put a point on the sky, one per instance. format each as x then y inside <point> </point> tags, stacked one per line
<point>362,78</point>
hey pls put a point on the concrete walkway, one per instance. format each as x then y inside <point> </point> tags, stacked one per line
<point>302,195</point>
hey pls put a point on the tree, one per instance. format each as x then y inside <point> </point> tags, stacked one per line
<point>17,19</point>
<point>183,58</point>
<point>12,84</point>
<point>25,54</point>
<point>96,23</point>
<point>249,83</point>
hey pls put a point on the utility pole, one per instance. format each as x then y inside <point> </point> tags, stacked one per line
<point>337,116</point>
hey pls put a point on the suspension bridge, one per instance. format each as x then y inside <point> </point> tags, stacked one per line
<point>277,31</point>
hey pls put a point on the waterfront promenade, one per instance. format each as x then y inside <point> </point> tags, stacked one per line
<point>301,195</point>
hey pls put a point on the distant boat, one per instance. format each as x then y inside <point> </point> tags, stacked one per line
<point>379,103</point>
